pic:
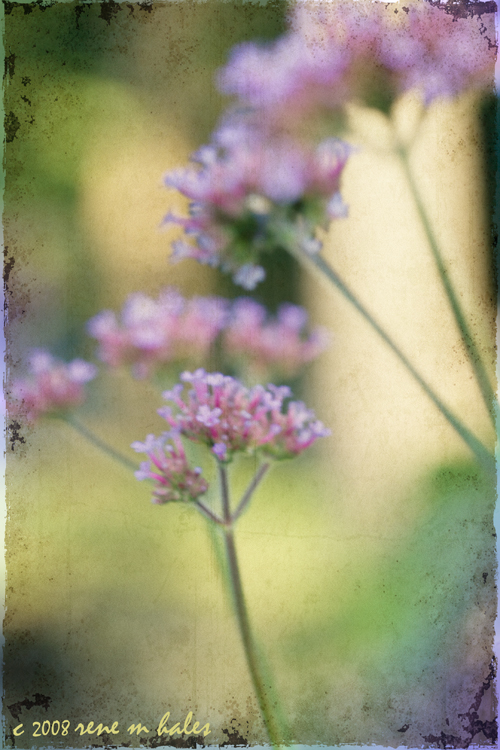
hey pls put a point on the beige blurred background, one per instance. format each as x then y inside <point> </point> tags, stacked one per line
<point>384,254</point>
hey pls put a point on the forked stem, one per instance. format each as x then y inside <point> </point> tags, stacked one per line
<point>259,475</point>
<point>205,511</point>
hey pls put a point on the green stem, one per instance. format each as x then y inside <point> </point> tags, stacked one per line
<point>484,383</point>
<point>205,511</point>
<point>262,470</point>
<point>324,271</point>
<point>249,646</point>
<point>98,443</point>
<point>224,489</point>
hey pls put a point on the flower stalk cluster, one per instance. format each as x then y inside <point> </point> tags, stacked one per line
<point>221,413</point>
<point>262,184</point>
<point>333,54</point>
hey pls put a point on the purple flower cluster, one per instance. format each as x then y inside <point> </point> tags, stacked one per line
<point>53,386</point>
<point>258,185</point>
<point>221,413</point>
<point>337,52</point>
<point>440,54</point>
<point>253,191</point>
<point>271,347</point>
<point>150,333</point>
<point>168,467</point>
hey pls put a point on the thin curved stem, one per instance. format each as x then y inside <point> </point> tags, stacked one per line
<point>98,443</point>
<point>325,272</point>
<point>483,381</point>
<point>251,653</point>
<point>260,474</point>
<point>204,510</point>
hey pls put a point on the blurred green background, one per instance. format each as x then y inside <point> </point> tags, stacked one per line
<point>374,609</point>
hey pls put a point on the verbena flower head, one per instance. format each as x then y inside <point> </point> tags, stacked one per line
<point>175,480</point>
<point>253,191</point>
<point>220,412</point>
<point>271,347</point>
<point>341,51</point>
<point>53,385</point>
<point>154,332</point>
<point>439,53</point>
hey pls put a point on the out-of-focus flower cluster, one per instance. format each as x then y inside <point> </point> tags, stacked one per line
<point>173,330</point>
<point>260,184</point>
<point>168,467</point>
<point>337,52</point>
<point>52,387</point>
<point>254,191</point>
<point>271,348</point>
<point>151,332</point>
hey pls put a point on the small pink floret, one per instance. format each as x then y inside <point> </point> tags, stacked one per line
<point>168,468</point>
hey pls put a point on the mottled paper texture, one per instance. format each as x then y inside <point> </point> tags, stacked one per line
<point>369,565</point>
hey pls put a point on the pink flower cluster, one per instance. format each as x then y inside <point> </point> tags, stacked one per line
<point>53,387</point>
<point>440,54</point>
<point>168,467</point>
<point>255,191</point>
<point>257,185</point>
<point>221,413</point>
<point>153,332</point>
<point>336,52</point>
<point>273,347</point>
